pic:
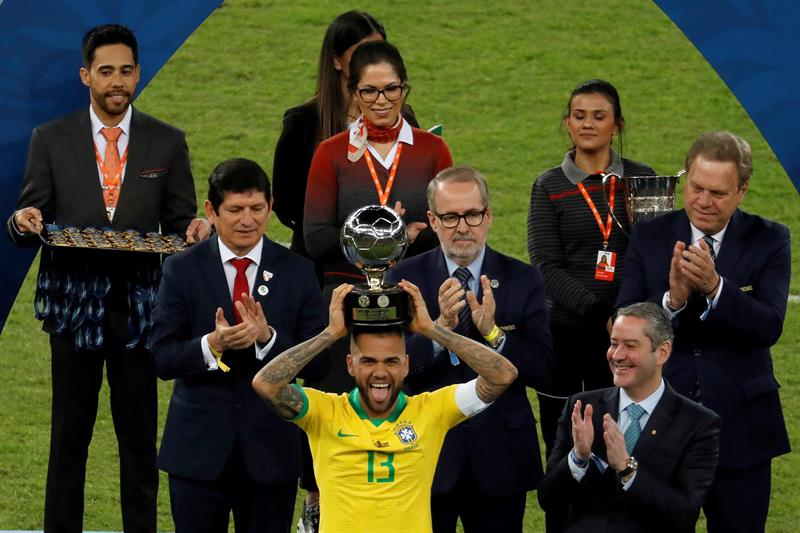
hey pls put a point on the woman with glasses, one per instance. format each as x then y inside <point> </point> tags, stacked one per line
<point>577,246</point>
<point>379,159</point>
<point>327,113</point>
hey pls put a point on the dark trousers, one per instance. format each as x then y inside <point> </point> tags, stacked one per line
<point>205,506</point>
<point>76,382</point>
<point>579,364</point>
<point>738,501</point>
<point>479,512</point>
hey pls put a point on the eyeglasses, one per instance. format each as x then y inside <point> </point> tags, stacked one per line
<point>451,220</point>
<point>391,93</point>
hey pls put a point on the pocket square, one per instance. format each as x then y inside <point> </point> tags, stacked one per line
<point>152,173</point>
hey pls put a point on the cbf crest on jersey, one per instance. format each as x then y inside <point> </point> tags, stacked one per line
<point>405,432</point>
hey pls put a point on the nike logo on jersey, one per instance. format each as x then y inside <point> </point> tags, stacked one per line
<point>340,434</point>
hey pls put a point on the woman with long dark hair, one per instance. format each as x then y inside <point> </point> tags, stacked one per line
<point>327,113</point>
<point>573,240</point>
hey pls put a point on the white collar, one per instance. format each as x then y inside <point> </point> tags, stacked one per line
<point>697,234</point>
<point>97,124</point>
<point>406,134</point>
<point>648,404</point>
<point>254,254</point>
<point>474,267</point>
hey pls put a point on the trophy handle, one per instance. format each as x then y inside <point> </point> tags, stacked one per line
<point>606,177</point>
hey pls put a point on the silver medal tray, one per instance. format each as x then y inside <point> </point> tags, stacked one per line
<point>128,240</point>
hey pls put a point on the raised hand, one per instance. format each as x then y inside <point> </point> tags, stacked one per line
<point>451,300</point>
<point>582,430</point>
<point>616,451</point>
<point>420,319</point>
<point>483,312</point>
<point>679,286</point>
<point>337,326</point>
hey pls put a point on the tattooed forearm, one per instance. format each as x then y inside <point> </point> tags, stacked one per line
<point>272,381</point>
<point>283,369</point>
<point>288,402</point>
<point>495,371</point>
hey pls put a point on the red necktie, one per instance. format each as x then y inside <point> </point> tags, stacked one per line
<point>240,284</point>
<point>111,178</point>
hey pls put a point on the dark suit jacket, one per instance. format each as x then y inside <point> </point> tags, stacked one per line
<point>728,354</point>
<point>499,446</point>
<point>61,179</point>
<point>677,453</point>
<point>211,412</point>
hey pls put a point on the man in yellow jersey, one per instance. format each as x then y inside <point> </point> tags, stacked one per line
<point>375,449</point>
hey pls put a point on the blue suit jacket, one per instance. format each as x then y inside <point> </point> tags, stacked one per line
<point>726,357</point>
<point>677,453</point>
<point>499,446</point>
<point>210,412</point>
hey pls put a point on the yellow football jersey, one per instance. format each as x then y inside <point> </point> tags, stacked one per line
<point>375,476</point>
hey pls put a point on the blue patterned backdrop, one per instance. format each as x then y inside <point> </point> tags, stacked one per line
<point>40,57</point>
<point>752,44</point>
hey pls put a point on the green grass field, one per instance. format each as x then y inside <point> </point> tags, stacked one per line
<point>497,76</point>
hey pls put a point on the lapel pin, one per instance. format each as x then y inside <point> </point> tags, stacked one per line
<point>267,276</point>
<point>494,283</point>
<point>653,432</point>
<point>263,290</point>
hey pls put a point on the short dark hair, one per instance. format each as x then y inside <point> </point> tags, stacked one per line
<point>602,87</point>
<point>377,331</point>
<point>236,175</point>
<point>373,53</point>
<point>723,147</point>
<point>658,326</point>
<point>108,34</point>
<point>459,174</point>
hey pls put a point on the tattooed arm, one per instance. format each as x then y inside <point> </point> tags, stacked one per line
<point>273,382</point>
<point>495,372</point>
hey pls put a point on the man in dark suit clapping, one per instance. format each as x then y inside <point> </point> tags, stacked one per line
<point>106,166</point>
<point>489,463</point>
<point>636,457</point>
<point>723,276</point>
<point>225,308</point>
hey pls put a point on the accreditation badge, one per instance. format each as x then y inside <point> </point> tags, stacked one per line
<point>606,263</point>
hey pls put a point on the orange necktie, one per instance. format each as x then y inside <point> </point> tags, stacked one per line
<point>113,174</point>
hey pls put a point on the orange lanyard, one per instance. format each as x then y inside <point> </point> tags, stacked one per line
<point>605,231</point>
<point>383,194</point>
<point>110,180</point>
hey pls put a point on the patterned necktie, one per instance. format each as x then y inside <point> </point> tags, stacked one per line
<point>113,173</point>
<point>635,412</point>
<point>710,242</point>
<point>463,275</point>
<point>240,284</point>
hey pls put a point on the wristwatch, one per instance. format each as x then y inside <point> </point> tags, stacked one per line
<point>633,466</point>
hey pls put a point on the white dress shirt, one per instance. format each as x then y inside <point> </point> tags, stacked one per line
<point>226,255</point>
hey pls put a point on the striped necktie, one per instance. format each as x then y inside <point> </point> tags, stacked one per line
<point>710,242</point>
<point>634,429</point>
<point>463,275</point>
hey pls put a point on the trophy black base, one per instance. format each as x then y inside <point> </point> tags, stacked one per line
<point>387,306</point>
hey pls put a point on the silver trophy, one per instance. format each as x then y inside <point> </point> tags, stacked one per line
<point>373,238</point>
<point>645,196</point>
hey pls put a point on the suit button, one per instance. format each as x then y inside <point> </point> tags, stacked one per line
<point>697,352</point>
<point>238,406</point>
